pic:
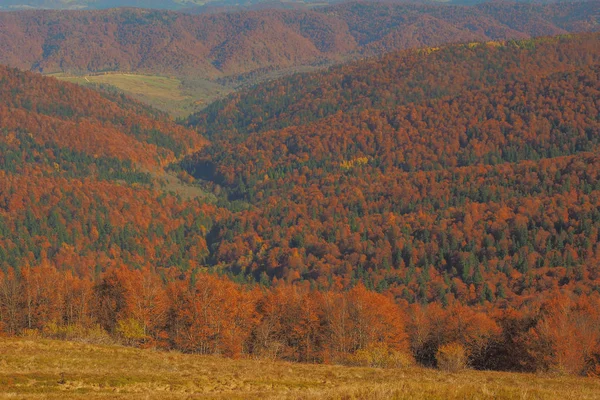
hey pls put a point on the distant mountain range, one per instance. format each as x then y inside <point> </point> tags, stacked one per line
<point>191,5</point>
<point>256,42</point>
<point>103,4</point>
<point>92,4</point>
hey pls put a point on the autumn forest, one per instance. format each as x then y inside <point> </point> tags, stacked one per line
<point>429,192</point>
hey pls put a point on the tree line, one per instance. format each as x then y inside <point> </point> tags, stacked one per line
<point>204,313</point>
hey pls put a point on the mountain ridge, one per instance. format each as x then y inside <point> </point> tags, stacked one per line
<point>231,44</point>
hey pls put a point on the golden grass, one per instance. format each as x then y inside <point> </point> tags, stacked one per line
<point>39,368</point>
<point>170,94</point>
<point>153,86</point>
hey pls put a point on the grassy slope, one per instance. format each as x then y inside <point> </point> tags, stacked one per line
<point>54,369</point>
<point>176,97</point>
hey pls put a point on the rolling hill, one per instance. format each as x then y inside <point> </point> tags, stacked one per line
<point>73,163</point>
<point>437,205</point>
<point>230,44</point>
<point>423,168</point>
<point>89,122</point>
<point>456,174</point>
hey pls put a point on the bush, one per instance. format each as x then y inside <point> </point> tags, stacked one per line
<point>451,357</point>
<point>380,356</point>
<point>94,334</point>
<point>30,333</point>
<point>593,364</point>
<point>131,331</point>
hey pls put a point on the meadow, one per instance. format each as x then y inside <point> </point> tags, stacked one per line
<point>49,369</point>
<point>178,97</point>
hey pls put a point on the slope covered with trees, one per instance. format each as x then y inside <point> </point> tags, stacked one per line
<point>225,44</point>
<point>76,173</point>
<point>424,205</point>
<point>83,120</point>
<point>465,171</point>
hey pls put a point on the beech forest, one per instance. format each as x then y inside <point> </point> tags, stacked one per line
<point>427,201</point>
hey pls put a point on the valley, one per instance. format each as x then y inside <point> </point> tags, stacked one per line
<point>361,200</point>
<point>180,62</point>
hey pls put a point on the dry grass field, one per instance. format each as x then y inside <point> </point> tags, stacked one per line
<point>177,97</point>
<point>38,368</point>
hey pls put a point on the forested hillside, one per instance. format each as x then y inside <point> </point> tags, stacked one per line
<point>49,111</point>
<point>457,174</point>
<point>465,171</point>
<point>76,172</point>
<point>225,44</point>
<point>427,204</point>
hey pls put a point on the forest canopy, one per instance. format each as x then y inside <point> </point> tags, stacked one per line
<point>407,205</point>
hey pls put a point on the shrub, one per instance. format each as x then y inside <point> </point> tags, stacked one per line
<point>451,357</point>
<point>593,364</point>
<point>131,331</point>
<point>94,334</point>
<point>30,333</point>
